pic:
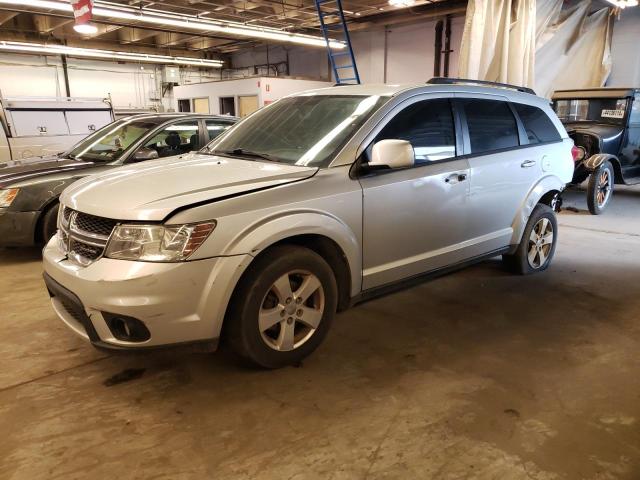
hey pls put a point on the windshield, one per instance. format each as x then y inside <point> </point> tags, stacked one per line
<point>301,130</point>
<point>603,110</point>
<point>110,142</point>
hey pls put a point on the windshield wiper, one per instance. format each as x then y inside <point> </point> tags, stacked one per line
<point>241,152</point>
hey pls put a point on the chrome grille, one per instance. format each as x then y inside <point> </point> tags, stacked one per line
<point>84,237</point>
<point>89,252</point>
<point>66,213</point>
<point>93,224</point>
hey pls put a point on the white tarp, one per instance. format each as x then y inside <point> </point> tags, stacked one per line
<point>537,44</point>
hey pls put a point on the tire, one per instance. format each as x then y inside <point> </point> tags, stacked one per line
<point>600,189</point>
<point>284,333</point>
<point>535,242</point>
<point>49,223</point>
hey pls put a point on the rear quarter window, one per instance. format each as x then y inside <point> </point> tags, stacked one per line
<point>537,124</point>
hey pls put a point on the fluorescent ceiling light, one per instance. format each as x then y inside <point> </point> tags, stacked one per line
<point>189,22</point>
<point>401,3</point>
<point>86,28</point>
<point>106,54</point>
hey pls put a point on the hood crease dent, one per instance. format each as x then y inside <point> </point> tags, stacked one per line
<point>153,190</point>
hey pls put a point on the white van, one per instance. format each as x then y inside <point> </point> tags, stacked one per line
<point>36,126</point>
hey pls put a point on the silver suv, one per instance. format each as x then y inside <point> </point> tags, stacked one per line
<point>304,208</point>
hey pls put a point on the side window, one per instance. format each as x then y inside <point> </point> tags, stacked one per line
<point>634,117</point>
<point>216,127</point>
<point>429,126</point>
<point>492,125</point>
<point>176,139</point>
<point>537,124</point>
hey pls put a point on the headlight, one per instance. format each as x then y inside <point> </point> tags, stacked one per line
<point>7,196</point>
<point>157,243</point>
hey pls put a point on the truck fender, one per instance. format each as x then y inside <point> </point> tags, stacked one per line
<point>593,162</point>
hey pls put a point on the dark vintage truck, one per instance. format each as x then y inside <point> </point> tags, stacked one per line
<point>604,123</point>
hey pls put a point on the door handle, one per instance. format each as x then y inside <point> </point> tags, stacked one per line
<point>456,177</point>
<point>528,163</point>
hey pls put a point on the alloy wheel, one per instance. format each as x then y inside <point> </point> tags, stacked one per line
<point>540,243</point>
<point>291,310</point>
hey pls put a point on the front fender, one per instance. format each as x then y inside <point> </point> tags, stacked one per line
<point>278,227</point>
<point>545,185</point>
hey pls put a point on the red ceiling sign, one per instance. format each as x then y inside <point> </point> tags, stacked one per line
<point>82,10</point>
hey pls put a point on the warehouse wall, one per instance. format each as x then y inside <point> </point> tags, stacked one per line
<point>409,58</point>
<point>624,50</point>
<point>130,85</point>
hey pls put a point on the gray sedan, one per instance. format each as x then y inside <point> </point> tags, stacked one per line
<point>29,193</point>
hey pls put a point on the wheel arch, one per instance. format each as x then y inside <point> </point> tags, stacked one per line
<point>37,232</point>
<point>542,192</point>
<point>593,163</point>
<point>329,250</point>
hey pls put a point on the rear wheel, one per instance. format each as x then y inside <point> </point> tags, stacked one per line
<point>538,244</point>
<point>50,223</point>
<point>283,307</point>
<point>600,188</point>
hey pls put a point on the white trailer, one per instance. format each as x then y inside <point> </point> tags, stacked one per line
<point>238,96</point>
<point>36,126</point>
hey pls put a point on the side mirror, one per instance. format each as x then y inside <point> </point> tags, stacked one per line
<point>392,154</point>
<point>145,154</point>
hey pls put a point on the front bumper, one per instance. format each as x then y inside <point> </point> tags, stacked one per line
<point>17,229</point>
<point>177,303</point>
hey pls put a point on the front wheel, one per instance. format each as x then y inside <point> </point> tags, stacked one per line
<point>538,244</point>
<point>50,222</point>
<point>283,307</point>
<point>600,188</point>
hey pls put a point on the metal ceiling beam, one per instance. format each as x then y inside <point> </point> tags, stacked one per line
<point>6,16</point>
<point>47,24</point>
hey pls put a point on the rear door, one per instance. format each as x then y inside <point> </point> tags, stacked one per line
<point>502,173</point>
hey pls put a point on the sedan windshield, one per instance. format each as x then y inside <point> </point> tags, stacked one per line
<point>603,110</point>
<point>110,142</point>
<point>302,130</point>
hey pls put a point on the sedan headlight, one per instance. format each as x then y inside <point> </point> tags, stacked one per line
<point>8,196</point>
<point>157,243</point>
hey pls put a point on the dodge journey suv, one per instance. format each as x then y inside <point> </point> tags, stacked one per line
<point>304,208</point>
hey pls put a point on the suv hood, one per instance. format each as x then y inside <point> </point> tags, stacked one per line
<point>154,189</point>
<point>33,169</point>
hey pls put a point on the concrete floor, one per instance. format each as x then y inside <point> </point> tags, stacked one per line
<point>477,375</point>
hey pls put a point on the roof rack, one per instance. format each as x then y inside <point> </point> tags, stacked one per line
<point>453,81</point>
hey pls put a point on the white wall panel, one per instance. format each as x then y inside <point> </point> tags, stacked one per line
<point>625,70</point>
<point>25,75</point>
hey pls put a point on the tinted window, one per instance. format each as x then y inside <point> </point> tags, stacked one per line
<point>216,127</point>
<point>492,125</point>
<point>175,139</point>
<point>537,124</point>
<point>429,126</point>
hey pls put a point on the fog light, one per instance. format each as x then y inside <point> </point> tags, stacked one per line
<point>127,329</point>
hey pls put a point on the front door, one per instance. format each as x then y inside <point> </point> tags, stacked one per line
<point>414,218</point>
<point>630,151</point>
